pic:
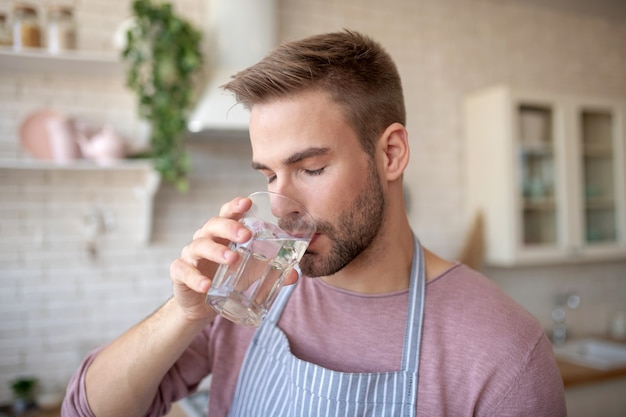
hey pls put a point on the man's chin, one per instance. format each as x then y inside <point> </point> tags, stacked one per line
<point>310,265</point>
<point>307,264</point>
<point>316,265</point>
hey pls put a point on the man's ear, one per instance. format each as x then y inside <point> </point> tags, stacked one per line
<point>394,145</point>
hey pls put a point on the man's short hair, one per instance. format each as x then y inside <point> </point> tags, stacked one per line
<point>353,69</point>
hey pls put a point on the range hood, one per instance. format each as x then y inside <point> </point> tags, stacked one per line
<point>239,33</point>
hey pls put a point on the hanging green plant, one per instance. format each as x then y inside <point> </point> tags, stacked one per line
<point>163,55</point>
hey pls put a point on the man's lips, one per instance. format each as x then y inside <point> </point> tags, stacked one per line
<point>314,239</point>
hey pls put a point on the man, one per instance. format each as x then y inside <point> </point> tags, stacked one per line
<point>385,327</point>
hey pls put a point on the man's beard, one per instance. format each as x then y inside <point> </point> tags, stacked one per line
<point>353,232</point>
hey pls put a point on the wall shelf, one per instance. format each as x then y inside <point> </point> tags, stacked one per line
<point>95,184</point>
<point>39,60</point>
<point>78,165</point>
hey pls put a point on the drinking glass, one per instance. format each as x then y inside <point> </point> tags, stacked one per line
<point>281,231</point>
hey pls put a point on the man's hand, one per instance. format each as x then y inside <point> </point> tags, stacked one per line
<point>193,271</point>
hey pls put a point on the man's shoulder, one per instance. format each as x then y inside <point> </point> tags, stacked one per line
<point>469,309</point>
<point>479,339</point>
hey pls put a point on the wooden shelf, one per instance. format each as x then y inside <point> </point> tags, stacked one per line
<point>39,61</point>
<point>600,203</point>
<point>539,204</point>
<point>78,165</point>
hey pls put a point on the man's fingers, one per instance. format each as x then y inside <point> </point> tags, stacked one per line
<point>236,207</point>
<point>186,275</point>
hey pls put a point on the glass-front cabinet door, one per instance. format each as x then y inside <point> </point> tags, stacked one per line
<point>547,172</point>
<point>598,176</point>
<point>601,190</point>
<point>536,149</point>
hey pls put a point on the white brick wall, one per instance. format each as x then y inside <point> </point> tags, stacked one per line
<point>56,302</point>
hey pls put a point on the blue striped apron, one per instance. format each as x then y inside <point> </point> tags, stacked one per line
<point>273,382</point>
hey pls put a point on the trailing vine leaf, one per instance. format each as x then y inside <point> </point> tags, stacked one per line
<point>163,55</point>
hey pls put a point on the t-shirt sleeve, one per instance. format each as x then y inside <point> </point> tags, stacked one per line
<point>75,401</point>
<point>537,390</point>
<point>180,381</point>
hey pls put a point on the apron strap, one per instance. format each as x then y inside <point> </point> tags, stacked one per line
<point>413,335</point>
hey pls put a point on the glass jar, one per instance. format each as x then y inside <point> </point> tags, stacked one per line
<point>26,30</point>
<point>5,32</point>
<point>61,28</point>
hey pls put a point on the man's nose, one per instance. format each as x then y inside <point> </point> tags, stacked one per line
<point>283,205</point>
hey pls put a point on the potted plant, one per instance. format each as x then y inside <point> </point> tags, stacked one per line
<point>24,393</point>
<point>163,55</point>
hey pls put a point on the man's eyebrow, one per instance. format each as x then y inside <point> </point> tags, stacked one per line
<point>258,167</point>
<point>296,157</point>
<point>307,153</point>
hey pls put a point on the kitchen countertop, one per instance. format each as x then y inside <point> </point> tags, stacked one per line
<point>5,410</point>
<point>574,375</point>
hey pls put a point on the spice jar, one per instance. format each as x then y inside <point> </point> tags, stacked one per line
<point>26,30</point>
<point>5,32</point>
<point>61,28</point>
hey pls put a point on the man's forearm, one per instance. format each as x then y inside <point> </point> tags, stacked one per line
<point>124,377</point>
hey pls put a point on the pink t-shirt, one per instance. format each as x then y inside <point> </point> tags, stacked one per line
<point>481,354</point>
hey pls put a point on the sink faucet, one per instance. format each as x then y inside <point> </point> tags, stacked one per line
<point>559,327</point>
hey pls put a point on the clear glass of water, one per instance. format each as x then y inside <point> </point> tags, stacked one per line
<point>281,231</point>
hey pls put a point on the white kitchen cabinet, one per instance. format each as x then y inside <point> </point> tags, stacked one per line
<point>548,174</point>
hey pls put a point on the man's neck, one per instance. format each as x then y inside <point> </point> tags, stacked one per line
<point>385,266</point>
